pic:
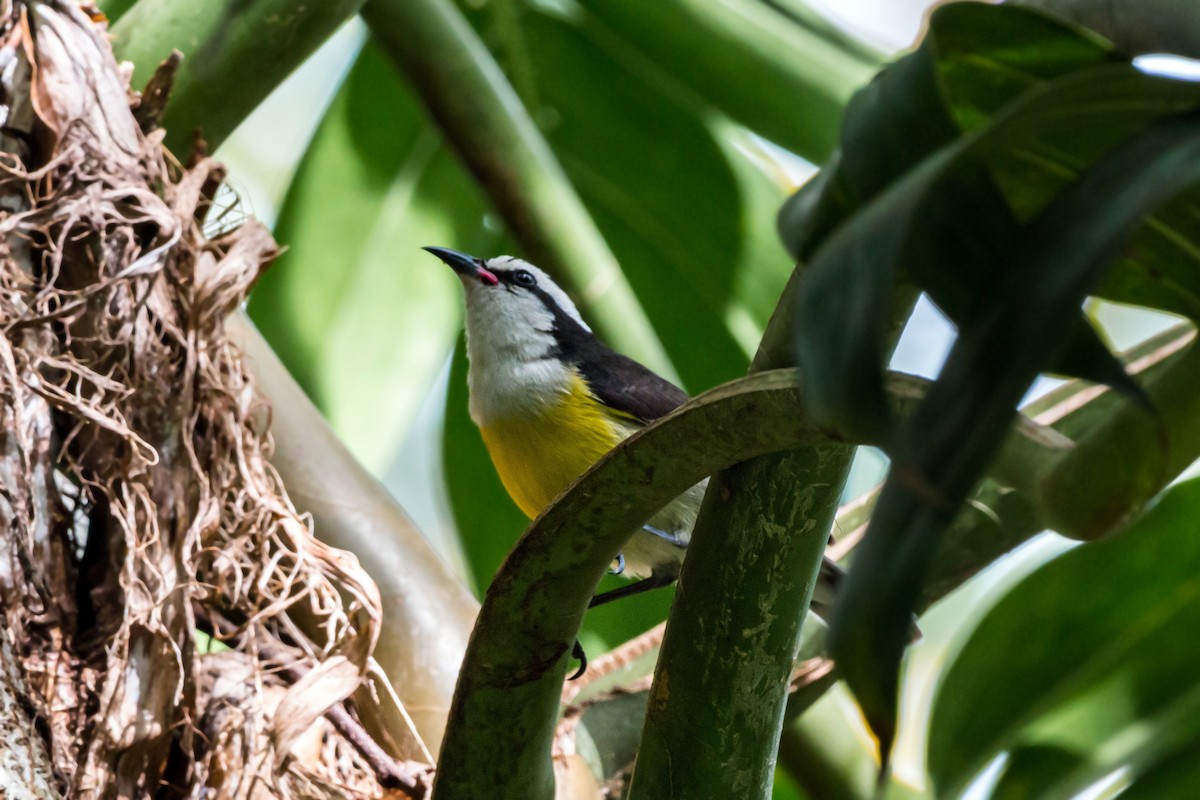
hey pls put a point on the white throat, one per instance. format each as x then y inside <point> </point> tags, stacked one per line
<point>513,370</point>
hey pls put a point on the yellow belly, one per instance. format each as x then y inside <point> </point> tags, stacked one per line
<point>537,456</point>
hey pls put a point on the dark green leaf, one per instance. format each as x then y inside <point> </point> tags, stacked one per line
<point>988,56</point>
<point>1031,768</point>
<point>956,255</point>
<point>1145,27</point>
<point>680,257</point>
<point>952,437</point>
<point>1054,666</point>
<point>973,61</point>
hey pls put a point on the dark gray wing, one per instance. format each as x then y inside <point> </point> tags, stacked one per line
<point>618,381</point>
<point>625,385</point>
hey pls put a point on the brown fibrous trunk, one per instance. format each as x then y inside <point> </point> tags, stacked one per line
<point>137,505</point>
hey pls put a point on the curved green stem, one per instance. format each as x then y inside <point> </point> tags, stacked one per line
<point>1085,496</point>
<point>501,724</point>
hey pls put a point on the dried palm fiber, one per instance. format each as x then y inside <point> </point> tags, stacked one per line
<point>134,483</point>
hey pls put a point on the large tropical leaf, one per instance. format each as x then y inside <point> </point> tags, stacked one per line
<point>784,75</point>
<point>945,224</point>
<point>952,437</point>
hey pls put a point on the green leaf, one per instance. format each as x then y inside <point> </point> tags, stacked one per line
<point>914,104</point>
<point>1081,670</point>
<point>964,257</point>
<point>952,437</point>
<point>363,319</point>
<point>1146,27</point>
<point>1031,768</point>
<point>785,82</point>
<point>989,56</point>
<point>235,52</point>
<point>973,60</point>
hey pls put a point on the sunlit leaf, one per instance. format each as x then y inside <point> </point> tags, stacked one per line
<point>786,82</point>
<point>362,317</point>
<point>1056,667</point>
<point>679,252</point>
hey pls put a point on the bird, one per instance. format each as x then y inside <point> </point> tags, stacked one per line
<point>550,399</point>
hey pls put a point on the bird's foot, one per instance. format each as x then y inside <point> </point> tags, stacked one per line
<point>577,652</point>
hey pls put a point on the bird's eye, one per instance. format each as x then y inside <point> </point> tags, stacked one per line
<point>524,278</point>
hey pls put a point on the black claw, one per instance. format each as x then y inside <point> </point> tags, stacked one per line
<point>577,652</point>
<point>653,582</point>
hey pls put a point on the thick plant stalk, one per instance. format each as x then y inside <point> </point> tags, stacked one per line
<point>485,123</point>
<point>734,629</point>
<point>774,514</point>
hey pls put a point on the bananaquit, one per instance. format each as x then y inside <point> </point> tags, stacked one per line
<point>550,399</point>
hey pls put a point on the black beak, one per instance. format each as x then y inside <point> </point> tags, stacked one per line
<point>464,264</point>
<point>461,263</point>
